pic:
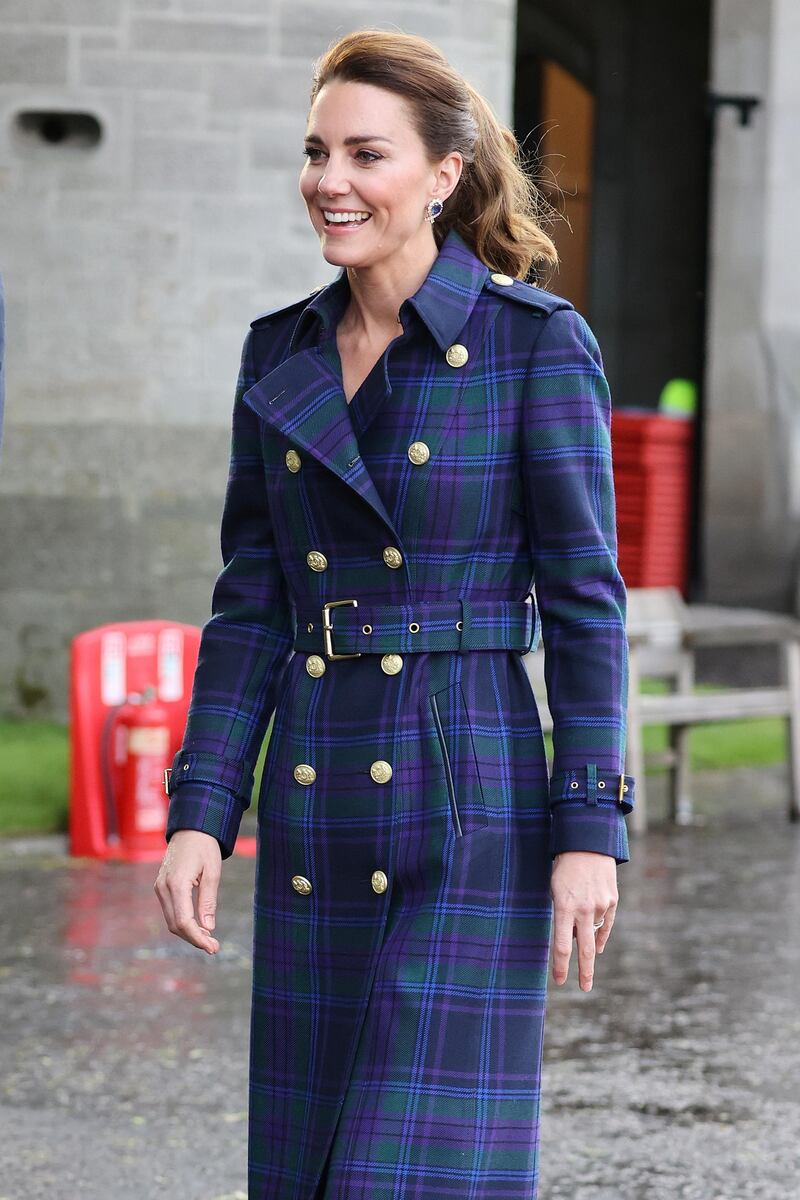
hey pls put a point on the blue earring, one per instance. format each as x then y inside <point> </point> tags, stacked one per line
<point>433,208</point>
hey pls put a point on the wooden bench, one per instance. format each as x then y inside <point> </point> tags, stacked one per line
<point>664,634</point>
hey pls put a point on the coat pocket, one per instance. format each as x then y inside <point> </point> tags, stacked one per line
<point>459,763</point>
<point>517,497</point>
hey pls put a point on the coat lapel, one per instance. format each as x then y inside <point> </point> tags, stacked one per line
<point>303,398</point>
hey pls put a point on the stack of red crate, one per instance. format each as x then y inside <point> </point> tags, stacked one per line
<point>652,454</point>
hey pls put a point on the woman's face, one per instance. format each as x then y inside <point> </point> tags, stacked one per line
<point>365,157</point>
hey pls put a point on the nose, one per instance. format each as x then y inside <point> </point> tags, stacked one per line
<point>333,182</point>
<point>330,190</point>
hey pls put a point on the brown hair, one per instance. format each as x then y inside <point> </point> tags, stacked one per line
<point>496,206</point>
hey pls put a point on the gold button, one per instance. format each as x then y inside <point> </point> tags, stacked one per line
<point>457,355</point>
<point>316,560</point>
<point>379,882</point>
<point>293,460</point>
<point>301,884</point>
<point>315,665</point>
<point>419,453</point>
<point>381,771</point>
<point>499,277</point>
<point>392,557</point>
<point>392,663</point>
<point>303,773</point>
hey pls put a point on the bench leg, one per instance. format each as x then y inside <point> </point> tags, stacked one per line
<point>681,770</point>
<point>790,654</point>
<point>635,747</point>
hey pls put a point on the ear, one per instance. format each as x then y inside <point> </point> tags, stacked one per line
<point>448,175</point>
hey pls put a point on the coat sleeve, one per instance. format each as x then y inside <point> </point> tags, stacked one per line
<point>580,594</point>
<point>244,648</point>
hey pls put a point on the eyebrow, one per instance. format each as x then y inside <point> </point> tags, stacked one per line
<point>350,141</point>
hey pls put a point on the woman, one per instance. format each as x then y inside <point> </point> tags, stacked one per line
<point>412,448</point>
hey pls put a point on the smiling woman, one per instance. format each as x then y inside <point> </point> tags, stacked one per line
<point>414,447</point>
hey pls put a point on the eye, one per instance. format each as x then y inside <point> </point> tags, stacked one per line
<point>312,151</point>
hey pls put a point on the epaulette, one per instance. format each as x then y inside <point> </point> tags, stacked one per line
<point>525,293</point>
<point>272,313</point>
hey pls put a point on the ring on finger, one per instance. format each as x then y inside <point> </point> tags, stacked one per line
<point>597,924</point>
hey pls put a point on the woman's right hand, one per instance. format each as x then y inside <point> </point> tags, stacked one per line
<point>193,860</point>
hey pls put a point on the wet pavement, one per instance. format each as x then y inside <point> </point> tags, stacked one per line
<point>123,1051</point>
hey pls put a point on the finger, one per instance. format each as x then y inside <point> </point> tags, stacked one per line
<point>207,897</point>
<point>165,900</point>
<point>586,949</point>
<point>604,933</point>
<point>186,925</point>
<point>562,943</point>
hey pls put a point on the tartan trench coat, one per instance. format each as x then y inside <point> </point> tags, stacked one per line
<point>406,820</point>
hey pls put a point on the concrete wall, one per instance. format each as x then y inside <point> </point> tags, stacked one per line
<point>132,270</point>
<point>751,494</point>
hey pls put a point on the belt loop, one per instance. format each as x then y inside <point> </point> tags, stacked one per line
<point>466,623</point>
<point>591,783</point>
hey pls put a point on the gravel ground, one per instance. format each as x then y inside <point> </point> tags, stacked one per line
<point>123,1055</point>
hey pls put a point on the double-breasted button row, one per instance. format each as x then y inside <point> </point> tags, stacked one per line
<point>379,882</point>
<point>390,664</point>
<point>418,452</point>
<point>318,562</point>
<point>380,770</point>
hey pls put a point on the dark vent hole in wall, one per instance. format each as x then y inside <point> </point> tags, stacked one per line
<point>59,128</point>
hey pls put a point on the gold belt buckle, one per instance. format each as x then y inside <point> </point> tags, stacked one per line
<point>327,628</point>
<point>167,773</point>
<point>623,787</point>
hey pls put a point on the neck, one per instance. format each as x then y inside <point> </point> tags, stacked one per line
<point>377,291</point>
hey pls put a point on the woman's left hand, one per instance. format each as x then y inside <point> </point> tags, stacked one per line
<point>584,889</point>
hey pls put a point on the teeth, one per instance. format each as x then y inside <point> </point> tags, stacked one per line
<point>343,218</point>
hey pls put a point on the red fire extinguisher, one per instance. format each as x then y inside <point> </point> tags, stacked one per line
<point>136,751</point>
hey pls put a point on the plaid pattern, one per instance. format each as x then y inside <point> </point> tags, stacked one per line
<point>396,1035</point>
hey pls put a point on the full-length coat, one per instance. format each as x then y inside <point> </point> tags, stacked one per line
<point>407,824</point>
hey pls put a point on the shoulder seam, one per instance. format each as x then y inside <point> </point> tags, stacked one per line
<point>528,294</point>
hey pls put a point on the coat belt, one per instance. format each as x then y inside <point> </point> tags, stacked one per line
<point>352,627</point>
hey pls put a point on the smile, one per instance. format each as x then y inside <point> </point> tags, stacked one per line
<point>345,218</point>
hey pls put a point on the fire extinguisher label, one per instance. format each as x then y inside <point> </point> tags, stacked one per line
<point>149,741</point>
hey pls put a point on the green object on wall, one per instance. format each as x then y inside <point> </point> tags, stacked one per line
<point>678,396</point>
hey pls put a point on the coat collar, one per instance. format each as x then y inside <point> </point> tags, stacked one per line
<point>443,302</point>
<point>302,397</point>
